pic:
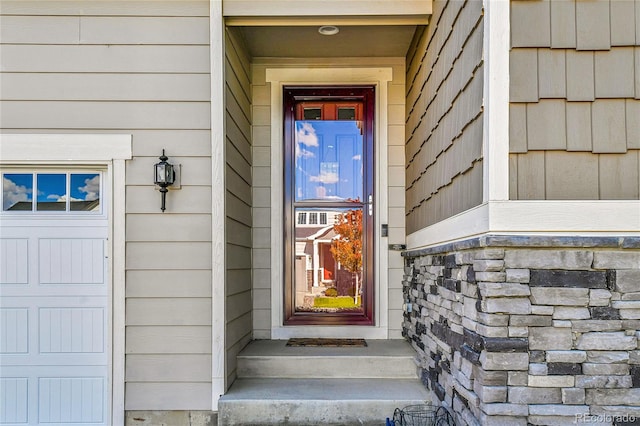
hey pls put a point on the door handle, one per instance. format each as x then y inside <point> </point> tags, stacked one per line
<point>370,204</point>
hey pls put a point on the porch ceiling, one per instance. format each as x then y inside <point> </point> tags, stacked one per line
<point>305,42</point>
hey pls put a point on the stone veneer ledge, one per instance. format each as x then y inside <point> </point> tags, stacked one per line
<point>528,241</point>
<point>524,330</point>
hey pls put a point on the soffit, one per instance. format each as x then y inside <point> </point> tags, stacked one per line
<point>295,41</point>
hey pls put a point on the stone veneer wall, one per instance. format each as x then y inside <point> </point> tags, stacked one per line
<point>528,330</point>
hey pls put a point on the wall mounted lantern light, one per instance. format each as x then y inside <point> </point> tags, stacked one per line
<point>164,177</point>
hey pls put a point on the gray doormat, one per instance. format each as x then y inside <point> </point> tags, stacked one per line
<point>326,342</point>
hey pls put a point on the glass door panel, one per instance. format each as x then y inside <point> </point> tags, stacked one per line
<point>328,160</point>
<point>328,173</point>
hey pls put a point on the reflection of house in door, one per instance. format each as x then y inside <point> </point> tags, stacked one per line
<point>316,268</point>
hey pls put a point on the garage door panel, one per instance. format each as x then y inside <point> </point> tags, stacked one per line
<point>72,395</point>
<point>13,400</point>
<point>71,330</point>
<point>14,260</point>
<point>14,330</point>
<point>71,399</point>
<point>71,261</point>
<point>53,331</point>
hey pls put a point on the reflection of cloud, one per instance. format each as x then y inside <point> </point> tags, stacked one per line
<point>61,198</point>
<point>301,152</point>
<point>306,135</point>
<point>325,177</point>
<point>91,188</point>
<point>13,193</point>
<point>321,192</point>
<point>357,157</point>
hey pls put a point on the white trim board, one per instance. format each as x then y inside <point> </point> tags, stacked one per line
<point>280,77</point>
<point>110,150</point>
<point>543,217</point>
<point>218,214</point>
<point>495,144</point>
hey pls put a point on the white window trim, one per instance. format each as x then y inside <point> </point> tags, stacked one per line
<point>280,77</point>
<point>106,150</point>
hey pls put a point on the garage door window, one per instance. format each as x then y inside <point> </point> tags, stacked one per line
<point>52,192</point>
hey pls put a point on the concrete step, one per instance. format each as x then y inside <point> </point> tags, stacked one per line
<point>379,359</point>
<point>344,401</point>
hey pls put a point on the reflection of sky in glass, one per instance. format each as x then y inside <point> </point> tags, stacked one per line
<point>85,187</point>
<point>15,188</point>
<point>328,160</point>
<point>51,188</point>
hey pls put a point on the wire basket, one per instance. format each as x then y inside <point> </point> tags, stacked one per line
<point>422,415</point>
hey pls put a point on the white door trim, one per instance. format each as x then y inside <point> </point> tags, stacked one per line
<point>110,150</point>
<point>280,77</point>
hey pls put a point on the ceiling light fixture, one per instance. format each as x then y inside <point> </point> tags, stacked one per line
<point>328,30</point>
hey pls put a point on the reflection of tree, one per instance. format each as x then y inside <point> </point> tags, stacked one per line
<point>346,248</point>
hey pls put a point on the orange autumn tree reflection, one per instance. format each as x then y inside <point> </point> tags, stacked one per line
<point>346,248</point>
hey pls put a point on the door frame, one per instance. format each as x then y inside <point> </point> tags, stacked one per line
<point>365,96</point>
<point>290,76</point>
<point>108,151</point>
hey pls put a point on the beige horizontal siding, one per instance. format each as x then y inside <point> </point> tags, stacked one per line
<point>162,283</point>
<point>243,278</point>
<point>184,255</point>
<point>111,30</point>
<point>172,368</point>
<point>444,114</point>
<point>177,227</point>
<point>575,99</point>
<point>184,311</point>
<point>167,396</point>
<point>191,199</point>
<point>238,181</point>
<point>142,68</point>
<point>106,7</point>
<point>104,115</point>
<point>168,340</point>
<point>104,87</point>
<point>102,59</point>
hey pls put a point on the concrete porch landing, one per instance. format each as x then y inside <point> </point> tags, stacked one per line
<point>321,385</point>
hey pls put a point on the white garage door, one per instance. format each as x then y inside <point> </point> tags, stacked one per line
<point>54,305</point>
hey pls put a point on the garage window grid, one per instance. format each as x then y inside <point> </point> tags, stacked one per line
<point>76,192</point>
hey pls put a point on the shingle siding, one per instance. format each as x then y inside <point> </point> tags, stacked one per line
<point>577,97</point>
<point>444,115</point>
